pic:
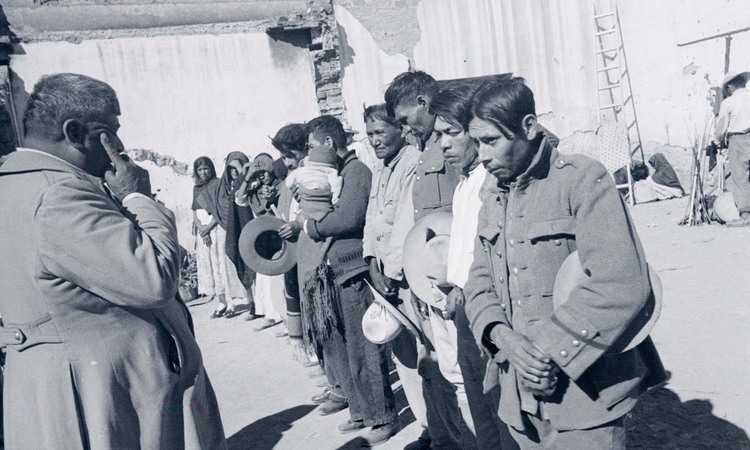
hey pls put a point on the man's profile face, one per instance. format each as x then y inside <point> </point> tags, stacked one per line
<point>458,148</point>
<point>504,154</point>
<point>97,159</point>
<point>415,118</point>
<point>292,158</point>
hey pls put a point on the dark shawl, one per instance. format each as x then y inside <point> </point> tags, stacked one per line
<point>664,173</point>
<point>201,185</point>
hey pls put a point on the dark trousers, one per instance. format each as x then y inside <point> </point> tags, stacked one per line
<point>359,366</point>
<point>491,432</point>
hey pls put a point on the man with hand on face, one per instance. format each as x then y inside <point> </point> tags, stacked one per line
<point>100,351</point>
<point>561,387</point>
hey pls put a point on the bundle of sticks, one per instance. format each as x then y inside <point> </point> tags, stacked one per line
<point>697,209</point>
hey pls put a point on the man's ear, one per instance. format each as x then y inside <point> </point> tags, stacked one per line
<point>75,134</point>
<point>329,142</point>
<point>529,126</point>
<point>423,101</point>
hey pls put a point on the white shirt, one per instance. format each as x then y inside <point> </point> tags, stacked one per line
<point>734,115</point>
<point>466,205</point>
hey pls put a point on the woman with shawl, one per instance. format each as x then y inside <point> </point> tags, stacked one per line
<point>209,254</point>
<point>219,202</point>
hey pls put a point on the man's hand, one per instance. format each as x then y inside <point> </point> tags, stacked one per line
<point>290,230</point>
<point>420,308</point>
<point>127,177</point>
<point>247,171</point>
<point>530,362</point>
<point>381,283</point>
<point>267,192</point>
<point>206,239</point>
<point>455,297</point>
<point>546,385</point>
<point>194,228</point>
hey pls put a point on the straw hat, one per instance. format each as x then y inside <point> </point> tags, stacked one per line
<point>382,321</point>
<point>263,250</point>
<point>571,274</point>
<point>731,76</point>
<point>426,256</point>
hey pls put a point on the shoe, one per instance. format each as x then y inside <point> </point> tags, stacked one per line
<point>381,433</point>
<point>322,383</point>
<point>250,316</point>
<point>282,333</point>
<point>741,222</point>
<point>310,363</point>
<point>316,373</point>
<point>231,313</point>
<point>266,324</point>
<point>422,443</point>
<point>218,313</point>
<point>350,426</point>
<point>332,407</point>
<point>320,398</point>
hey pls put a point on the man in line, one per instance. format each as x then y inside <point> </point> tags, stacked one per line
<point>100,351</point>
<point>561,387</point>
<point>359,365</point>
<point>734,125</point>
<point>452,108</point>
<point>431,190</point>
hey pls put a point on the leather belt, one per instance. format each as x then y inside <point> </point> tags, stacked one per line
<point>19,337</point>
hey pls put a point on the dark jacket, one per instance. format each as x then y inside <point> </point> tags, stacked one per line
<point>347,221</point>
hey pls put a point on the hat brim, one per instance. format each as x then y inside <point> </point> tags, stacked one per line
<point>571,274</point>
<point>263,250</point>
<point>395,312</point>
<point>414,245</point>
<point>733,75</point>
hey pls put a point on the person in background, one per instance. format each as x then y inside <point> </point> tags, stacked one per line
<point>209,255</point>
<point>101,352</point>
<point>733,124</point>
<point>364,152</point>
<point>231,217</point>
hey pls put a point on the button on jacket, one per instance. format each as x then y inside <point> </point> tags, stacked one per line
<point>388,185</point>
<point>526,230</point>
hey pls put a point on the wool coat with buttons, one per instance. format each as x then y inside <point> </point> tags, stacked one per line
<point>100,352</point>
<point>526,230</point>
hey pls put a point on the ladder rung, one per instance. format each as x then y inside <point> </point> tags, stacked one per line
<point>604,69</point>
<point>604,15</point>
<point>614,105</point>
<point>602,33</point>
<point>611,86</point>
<point>615,49</point>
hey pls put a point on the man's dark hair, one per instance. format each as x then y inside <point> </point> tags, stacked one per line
<point>504,104</point>
<point>62,96</point>
<point>327,125</point>
<point>453,103</point>
<point>380,112</point>
<point>291,137</point>
<point>407,87</point>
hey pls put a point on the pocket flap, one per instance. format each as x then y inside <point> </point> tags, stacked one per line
<point>489,234</point>
<point>553,227</point>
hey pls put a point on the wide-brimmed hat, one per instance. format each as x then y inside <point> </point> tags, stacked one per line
<point>425,257</point>
<point>731,76</point>
<point>725,208</point>
<point>350,130</point>
<point>382,321</point>
<point>571,274</point>
<point>263,250</point>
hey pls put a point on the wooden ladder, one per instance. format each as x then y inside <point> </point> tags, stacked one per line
<point>614,92</point>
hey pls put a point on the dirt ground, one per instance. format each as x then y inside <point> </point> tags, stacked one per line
<point>702,335</point>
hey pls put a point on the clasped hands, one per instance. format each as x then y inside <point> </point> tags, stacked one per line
<point>537,372</point>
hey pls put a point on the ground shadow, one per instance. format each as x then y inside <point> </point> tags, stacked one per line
<point>267,432</point>
<point>661,421</point>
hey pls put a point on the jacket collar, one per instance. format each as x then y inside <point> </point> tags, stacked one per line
<point>399,155</point>
<point>537,170</point>
<point>348,157</point>
<point>30,160</point>
<point>432,159</point>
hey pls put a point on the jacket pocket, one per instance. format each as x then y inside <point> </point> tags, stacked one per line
<point>551,242</point>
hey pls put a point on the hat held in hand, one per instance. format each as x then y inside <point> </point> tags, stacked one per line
<point>426,258</point>
<point>382,321</point>
<point>263,250</point>
<point>571,274</point>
